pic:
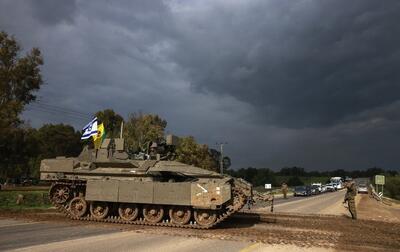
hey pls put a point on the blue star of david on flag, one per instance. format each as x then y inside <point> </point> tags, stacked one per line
<point>90,129</point>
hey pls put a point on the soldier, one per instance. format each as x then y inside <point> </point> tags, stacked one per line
<point>153,150</point>
<point>350,197</point>
<point>284,189</point>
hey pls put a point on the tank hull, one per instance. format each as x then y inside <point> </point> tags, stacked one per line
<point>145,192</point>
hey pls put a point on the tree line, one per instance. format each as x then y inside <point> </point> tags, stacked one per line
<point>294,176</point>
<point>27,146</point>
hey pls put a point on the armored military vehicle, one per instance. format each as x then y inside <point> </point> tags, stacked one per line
<point>108,185</point>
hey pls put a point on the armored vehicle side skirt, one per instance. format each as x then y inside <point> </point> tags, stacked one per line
<point>182,194</point>
<point>77,209</point>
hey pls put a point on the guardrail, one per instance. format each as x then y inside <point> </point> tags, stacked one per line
<point>379,196</point>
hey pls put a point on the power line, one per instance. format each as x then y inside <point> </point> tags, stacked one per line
<point>62,108</point>
<point>57,114</point>
<point>58,111</point>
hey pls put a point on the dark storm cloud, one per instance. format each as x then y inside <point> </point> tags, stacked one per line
<point>302,63</point>
<point>307,83</point>
<point>52,12</point>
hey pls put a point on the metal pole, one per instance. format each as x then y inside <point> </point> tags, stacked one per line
<point>221,158</point>
<point>122,128</point>
<point>221,164</point>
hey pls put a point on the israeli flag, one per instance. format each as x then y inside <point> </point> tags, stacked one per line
<point>90,129</point>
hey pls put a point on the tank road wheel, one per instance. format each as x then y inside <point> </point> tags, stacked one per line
<point>153,213</point>
<point>180,215</point>
<point>60,193</point>
<point>205,217</point>
<point>78,207</point>
<point>128,212</point>
<point>99,210</point>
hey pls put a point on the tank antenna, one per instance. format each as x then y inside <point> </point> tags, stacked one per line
<point>221,158</point>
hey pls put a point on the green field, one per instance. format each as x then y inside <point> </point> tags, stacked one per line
<point>32,199</point>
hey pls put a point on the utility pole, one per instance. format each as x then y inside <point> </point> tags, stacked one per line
<point>221,159</point>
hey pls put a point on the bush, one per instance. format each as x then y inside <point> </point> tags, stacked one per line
<point>295,181</point>
<point>392,187</point>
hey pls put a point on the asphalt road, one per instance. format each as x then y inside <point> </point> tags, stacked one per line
<point>21,235</point>
<point>327,203</point>
<point>34,236</point>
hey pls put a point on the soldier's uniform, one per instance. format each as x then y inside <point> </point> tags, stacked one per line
<point>284,190</point>
<point>350,198</point>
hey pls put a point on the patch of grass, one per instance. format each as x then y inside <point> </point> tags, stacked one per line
<point>32,200</point>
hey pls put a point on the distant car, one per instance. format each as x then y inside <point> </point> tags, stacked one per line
<point>339,186</point>
<point>318,186</point>
<point>362,188</point>
<point>29,181</point>
<point>26,182</point>
<point>330,187</point>
<point>315,189</point>
<point>302,191</point>
<point>323,188</point>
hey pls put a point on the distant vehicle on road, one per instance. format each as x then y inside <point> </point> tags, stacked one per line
<point>337,182</point>
<point>302,191</point>
<point>330,187</point>
<point>315,189</point>
<point>362,188</point>
<point>29,181</point>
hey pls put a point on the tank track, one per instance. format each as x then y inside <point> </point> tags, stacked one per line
<point>238,203</point>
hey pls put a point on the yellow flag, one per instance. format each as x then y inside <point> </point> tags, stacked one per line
<point>101,134</point>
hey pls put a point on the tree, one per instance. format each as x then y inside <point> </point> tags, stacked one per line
<point>140,129</point>
<point>58,140</point>
<point>295,181</point>
<point>112,122</point>
<point>256,176</point>
<point>20,77</point>
<point>340,173</point>
<point>26,147</point>
<point>190,152</point>
<point>293,171</point>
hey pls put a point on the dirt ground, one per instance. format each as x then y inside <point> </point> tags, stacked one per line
<point>374,210</point>
<point>378,228</point>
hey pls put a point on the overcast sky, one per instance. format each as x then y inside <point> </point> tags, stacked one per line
<point>310,83</point>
